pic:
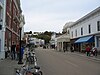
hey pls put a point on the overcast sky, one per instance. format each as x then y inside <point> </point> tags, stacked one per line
<point>51,15</point>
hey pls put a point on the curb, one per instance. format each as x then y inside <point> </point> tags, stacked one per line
<point>93,58</point>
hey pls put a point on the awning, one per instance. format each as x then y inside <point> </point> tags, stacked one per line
<point>86,39</point>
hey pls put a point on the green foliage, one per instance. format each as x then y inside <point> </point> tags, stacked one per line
<point>45,36</point>
<point>30,32</point>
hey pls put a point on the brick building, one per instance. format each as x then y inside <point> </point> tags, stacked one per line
<point>13,12</point>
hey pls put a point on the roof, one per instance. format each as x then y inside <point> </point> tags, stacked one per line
<point>87,16</point>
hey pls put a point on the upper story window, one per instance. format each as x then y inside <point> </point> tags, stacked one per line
<point>72,33</point>
<point>68,32</point>
<point>81,30</point>
<point>89,28</point>
<point>98,25</point>
<point>76,32</point>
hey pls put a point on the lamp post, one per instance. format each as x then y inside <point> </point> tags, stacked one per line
<point>20,52</point>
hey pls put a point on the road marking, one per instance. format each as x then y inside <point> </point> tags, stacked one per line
<point>71,63</point>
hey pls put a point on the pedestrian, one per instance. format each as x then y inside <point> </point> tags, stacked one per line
<point>13,51</point>
<point>88,50</point>
<point>6,49</point>
<point>94,51</point>
<point>72,48</point>
<point>22,52</point>
<point>17,51</point>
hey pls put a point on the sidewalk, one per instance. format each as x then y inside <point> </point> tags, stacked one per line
<point>97,58</point>
<point>7,66</point>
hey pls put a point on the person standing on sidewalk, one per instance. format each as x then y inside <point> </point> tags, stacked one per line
<point>22,51</point>
<point>94,51</point>
<point>6,51</point>
<point>13,51</point>
<point>88,50</point>
<point>72,48</point>
<point>17,51</point>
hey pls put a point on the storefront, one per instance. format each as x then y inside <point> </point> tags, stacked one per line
<point>97,42</point>
<point>63,43</point>
<point>83,41</point>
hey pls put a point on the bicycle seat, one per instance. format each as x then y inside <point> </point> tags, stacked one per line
<point>37,67</point>
<point>33,52</point>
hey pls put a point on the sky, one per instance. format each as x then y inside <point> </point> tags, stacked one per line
<point>52,15</point>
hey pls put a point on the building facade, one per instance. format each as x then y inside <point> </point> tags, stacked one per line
<point>63,41</point>
<point>13,12</point>
<point>10,12</point>
<point>86,30</point>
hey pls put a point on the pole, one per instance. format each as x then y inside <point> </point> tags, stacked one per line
<point>20,56</point>
<point>2,35</point>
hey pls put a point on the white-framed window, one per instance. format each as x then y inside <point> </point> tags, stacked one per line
<point>98,25</point>
<point>72,34</point>
<point>67,31</point>
<point>81,30</point>
<point>76,32</point>
<point>89,28</point>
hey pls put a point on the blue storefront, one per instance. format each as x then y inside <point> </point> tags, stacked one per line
<point>82,42</point>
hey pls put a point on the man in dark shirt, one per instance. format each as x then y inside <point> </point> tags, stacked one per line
<point>13,51</point>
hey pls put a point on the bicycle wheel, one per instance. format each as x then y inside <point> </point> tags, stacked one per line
<point>40,73</point>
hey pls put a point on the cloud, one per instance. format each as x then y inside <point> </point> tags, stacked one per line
<point>41,15</point>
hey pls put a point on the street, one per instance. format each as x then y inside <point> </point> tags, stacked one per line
<point>60,63</point>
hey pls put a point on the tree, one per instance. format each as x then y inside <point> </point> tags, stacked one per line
<point>30,32</point>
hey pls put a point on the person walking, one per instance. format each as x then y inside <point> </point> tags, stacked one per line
<point>88,50</point>
<point>13,51</point>
<point>17,51</point>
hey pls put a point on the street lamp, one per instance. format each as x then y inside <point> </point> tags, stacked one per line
<point>20,52</point>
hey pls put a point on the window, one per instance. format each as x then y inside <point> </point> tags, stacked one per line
<point>68,31</point>
<point>89,26</point>
<point>72,33</point>
<point>81,30</point>
<point>76,32</point>
<point>98,25</point>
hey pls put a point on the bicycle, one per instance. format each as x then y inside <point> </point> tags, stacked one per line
<point>26,70</point>
<point>37,71</point>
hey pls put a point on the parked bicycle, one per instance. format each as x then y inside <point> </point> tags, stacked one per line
<point>26,69</point>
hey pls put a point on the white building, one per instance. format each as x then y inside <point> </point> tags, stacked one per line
<point>53,40</point>
<point>36,42</point>
<point>22,23</point>
<point>87,30</point>
<point>63,41</point>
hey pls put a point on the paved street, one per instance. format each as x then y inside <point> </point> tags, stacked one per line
<point>59,63</point>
